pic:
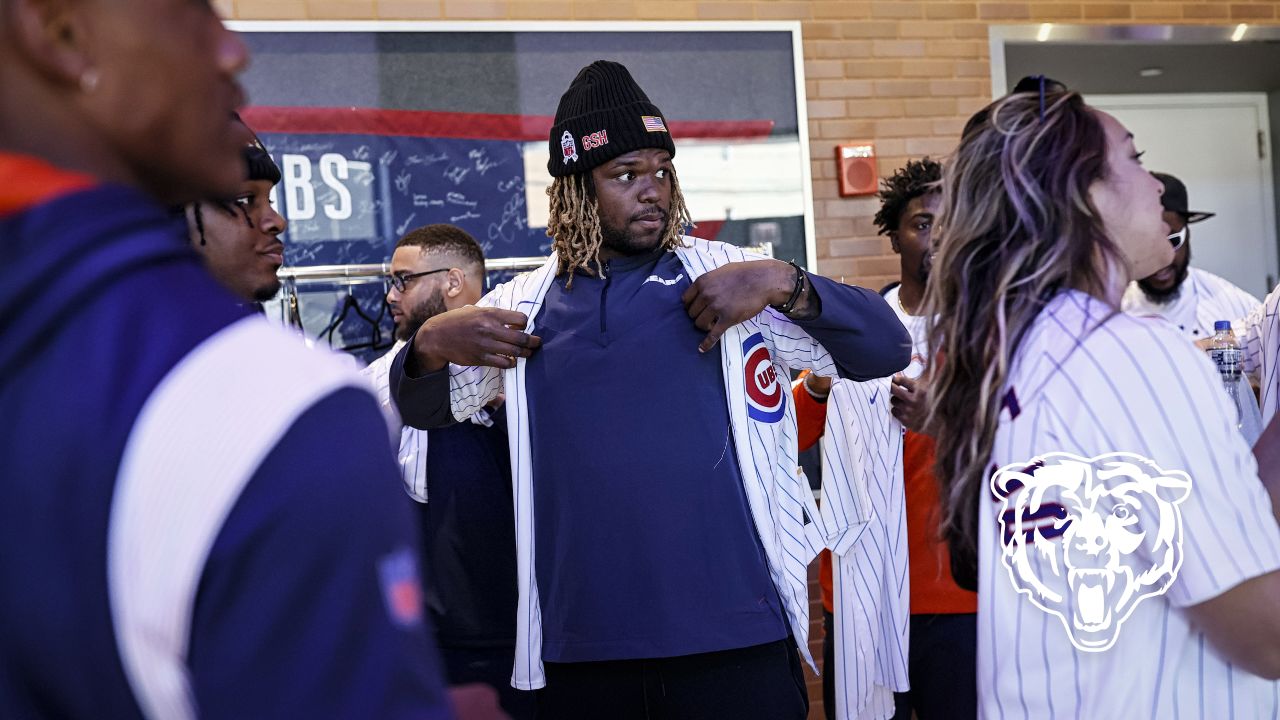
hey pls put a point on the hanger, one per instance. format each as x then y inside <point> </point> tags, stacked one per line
<point>376,342</point>
<point>290,307</point>
<point>349,304</point>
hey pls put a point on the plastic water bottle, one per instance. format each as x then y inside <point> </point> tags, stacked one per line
<point>1225,352</point>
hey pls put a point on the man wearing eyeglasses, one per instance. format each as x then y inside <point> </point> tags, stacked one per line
<point>463,483</point>
<point>1190,298</point>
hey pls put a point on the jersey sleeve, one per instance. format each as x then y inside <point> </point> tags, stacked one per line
<point>858,328</point>
<point>454,393</point>
<point>863,450</point>
<point>309,603</point>
<point>1257,333</point>
<point>378,374</point>
<point>410,443</point>
<point>1248,331</point>
<point>856,336</point>
<point>1230,533</point>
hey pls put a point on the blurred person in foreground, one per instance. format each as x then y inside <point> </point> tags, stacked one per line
<point>202,517</point>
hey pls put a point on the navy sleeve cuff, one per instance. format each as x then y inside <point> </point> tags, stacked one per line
<point>864,336</point>
<point>423,401</point>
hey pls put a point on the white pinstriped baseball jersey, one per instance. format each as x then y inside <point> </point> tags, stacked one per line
<point>410,443</point>
<point>1203,299</point>
<point>1091,381</point>
<point>864,512</point>
<point>776,492</point>
<point>1259,335</point>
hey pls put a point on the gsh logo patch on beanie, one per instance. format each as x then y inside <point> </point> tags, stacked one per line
<point>603,114</point>
<point>596,139</point>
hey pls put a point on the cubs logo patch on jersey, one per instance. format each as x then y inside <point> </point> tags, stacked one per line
<point>766,397</point>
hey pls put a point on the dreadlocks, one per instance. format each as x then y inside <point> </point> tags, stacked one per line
<point>919,177</point>
<point>574,224</point>
<point>227,207</point>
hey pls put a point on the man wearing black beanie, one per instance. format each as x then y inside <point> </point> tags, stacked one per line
<point>239,236</point>
<point>660,522</point>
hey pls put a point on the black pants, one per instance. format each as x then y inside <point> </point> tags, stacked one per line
<point>762,682</point>
<point>492,667</point>
<point>943,668</point>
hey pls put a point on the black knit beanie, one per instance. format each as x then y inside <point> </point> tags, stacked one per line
<point>602,115</point>
<point>261,166</point>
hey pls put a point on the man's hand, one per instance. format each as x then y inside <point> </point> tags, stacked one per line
<point>731,293</point>
<point>819,386</point>
<point>907,402</point>
<point>473,336</point>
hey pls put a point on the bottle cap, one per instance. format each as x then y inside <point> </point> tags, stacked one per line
<point>1220,325</point>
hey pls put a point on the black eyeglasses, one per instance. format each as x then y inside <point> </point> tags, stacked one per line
<point>400,280</point>
<point>1178,238</point>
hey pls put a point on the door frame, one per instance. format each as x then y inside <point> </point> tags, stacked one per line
<point>1255,101</point>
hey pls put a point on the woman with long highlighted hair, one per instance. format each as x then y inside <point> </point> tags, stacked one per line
<point>1096,493</point>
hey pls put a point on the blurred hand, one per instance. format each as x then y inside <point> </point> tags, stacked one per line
<point>907,402</point>
<point>476,702</point>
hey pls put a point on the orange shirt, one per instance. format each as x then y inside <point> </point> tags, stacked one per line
<point>933,591</point>
<point>26,181</point>
<point>932,588</point>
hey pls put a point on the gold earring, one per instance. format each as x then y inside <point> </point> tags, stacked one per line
<point>89,80</point>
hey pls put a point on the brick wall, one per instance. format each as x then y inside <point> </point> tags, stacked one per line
<point>903,73</point>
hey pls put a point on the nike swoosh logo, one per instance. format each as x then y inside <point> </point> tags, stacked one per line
<point>874,395</point>
<point>655,278</point>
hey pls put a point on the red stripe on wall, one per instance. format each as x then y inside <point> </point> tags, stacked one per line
<point>707,229</point>
<point>473,126</point>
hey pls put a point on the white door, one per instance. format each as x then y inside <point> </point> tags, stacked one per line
<point>1217,145</point>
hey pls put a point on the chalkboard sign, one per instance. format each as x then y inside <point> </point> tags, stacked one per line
<point>346,196</point>
<point>383,127</point>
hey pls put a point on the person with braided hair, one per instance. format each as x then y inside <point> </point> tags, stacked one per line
<point>239,237</point>
<point>661,526</point>
<point>1121,536</point>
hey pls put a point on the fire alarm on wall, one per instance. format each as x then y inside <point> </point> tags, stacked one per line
<point>856,165</point>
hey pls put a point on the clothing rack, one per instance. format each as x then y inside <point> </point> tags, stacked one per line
<point>360,274</point>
